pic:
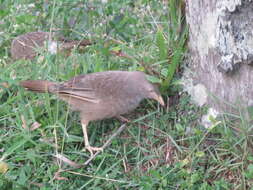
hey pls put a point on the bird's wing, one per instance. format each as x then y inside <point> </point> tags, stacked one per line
<point>82,93</point>
<point>95,87</point>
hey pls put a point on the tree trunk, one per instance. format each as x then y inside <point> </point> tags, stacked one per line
<point>221,52</point>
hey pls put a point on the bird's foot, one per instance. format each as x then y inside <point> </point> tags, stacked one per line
<point>91,149</point>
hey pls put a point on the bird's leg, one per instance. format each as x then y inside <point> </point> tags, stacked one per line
<point>86,139</point>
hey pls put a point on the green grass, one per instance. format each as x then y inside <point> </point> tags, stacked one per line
<point>161,148</point>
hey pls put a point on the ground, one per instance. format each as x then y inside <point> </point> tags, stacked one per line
<point>162,148</point>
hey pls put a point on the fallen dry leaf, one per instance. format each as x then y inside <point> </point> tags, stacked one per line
<point>3,167</point>
<point>4,84</point>
<point>35,125</point>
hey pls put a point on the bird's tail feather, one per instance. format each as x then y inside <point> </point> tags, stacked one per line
<point>38,85</point>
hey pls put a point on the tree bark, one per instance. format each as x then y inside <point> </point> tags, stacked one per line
<point>220,52</point>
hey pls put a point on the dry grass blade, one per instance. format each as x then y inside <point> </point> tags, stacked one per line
<point>66,160</point>
<point>24,124</point>
<point>98,177</point>
<point>37,184</point>
<point>58,177</point>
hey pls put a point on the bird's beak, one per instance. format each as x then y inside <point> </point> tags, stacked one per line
<point>158,98</point>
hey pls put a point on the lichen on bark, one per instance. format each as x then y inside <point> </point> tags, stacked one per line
<point>235,35</point>
<point>221,51</point>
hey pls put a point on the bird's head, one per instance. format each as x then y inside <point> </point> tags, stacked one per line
<point>146,88</point>
<point>153,92</point>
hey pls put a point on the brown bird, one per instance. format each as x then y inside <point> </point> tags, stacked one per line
<point>100,95</point>
<point>26,46</point>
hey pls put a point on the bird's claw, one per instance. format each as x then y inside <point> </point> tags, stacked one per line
<point>91,149</point>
